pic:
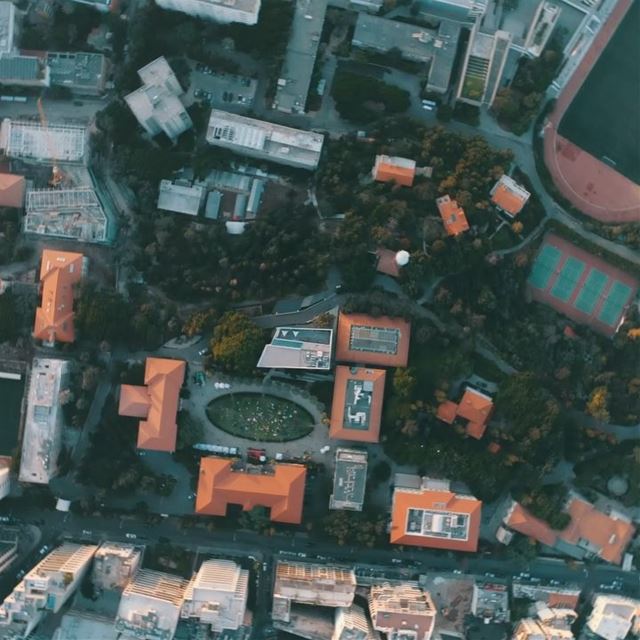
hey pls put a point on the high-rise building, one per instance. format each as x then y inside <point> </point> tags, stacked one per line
<point>156,104</point>
<point>115,564</point>
<point>351,623</point>
<point>47,587</point>
<point>150,606</point>
<point>217,595</point>
<point>224,11</point>
<point>402,611</point>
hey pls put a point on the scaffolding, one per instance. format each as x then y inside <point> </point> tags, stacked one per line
<point>30,140</point>
<point>66,213</point>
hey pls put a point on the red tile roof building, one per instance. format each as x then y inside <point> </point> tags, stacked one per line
<point>509,196</point>
<point>591,533</point>
<point>12,190</point>
<point>279,488</point>
<point>60,271</point>
<point>356,410</point>
<point>475,409</point>
<point>380,341</point>
<point>157,403</point>
<point>386,262</point>
<point>453,216</point>
<point>394,169</point>
<point>427,513</point>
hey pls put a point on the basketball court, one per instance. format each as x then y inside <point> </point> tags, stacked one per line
<point>581,286</point>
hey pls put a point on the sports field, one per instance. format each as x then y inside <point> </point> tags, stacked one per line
<point>603,117</point>
<point>581,286</point>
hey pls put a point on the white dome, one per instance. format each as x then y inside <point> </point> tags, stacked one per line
<point>402,258</point>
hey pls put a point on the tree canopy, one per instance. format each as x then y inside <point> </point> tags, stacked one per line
<point>236,343</point>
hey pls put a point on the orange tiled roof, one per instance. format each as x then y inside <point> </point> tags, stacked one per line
<point>437,501</point>
<point>509,196</point>
<point>157,402</point>
<point>608,535</point>
<point>219,485</point>
<point>12,190</point>
<point>59,272</point>
<point>394,169</point>
<point>453,216</point>
<point>475,407</point>
<point>340,429</point>
<point>355,325</point>
<point>564,600</point>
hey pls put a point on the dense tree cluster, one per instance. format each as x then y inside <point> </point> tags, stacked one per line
<point>364,99</point>
<point>516,106</point>
<point>9,319</point>
<point>236,343</point>
<point>348,527</point>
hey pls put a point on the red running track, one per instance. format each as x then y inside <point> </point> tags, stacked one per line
<point>590,185</point>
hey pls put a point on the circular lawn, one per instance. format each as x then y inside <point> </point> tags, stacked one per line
<point>260,417</point>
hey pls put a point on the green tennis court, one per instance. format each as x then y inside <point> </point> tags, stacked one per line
<point>593,287</point>
<point>568,278</point>
<point>544,266</point>
<point>614,304</point>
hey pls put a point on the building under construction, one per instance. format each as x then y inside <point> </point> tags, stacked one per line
<point>66,213</point>
<point>30,140</point>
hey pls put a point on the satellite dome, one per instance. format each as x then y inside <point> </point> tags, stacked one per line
<point>402,258</point>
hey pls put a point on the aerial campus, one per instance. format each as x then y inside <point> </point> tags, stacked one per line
<point>319,319</point>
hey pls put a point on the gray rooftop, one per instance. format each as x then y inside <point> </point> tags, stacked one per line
<point>349,479</point>
<point>79,71</point>
<point>180,197</point>
<point>415,43</point>
<point>298,348</point>
<point>445,49</point>
<point>20,68</point>
<point>7,26</point>
<point>297,69</point>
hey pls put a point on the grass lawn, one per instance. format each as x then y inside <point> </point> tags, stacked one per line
<point>473,87</point>
<point>260,417</point>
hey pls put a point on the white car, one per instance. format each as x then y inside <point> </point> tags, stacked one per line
<point>130,536</point>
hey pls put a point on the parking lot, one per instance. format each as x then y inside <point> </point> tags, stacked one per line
<point>222,89</point>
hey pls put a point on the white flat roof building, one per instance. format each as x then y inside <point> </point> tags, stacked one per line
<point>156,104</point>
<point>181,196</point>
<point>349,479</point>
<point>613,617</point>
<point>8,24</point>
<point>29,140</point>
<point>298,348</point>
<point>115,564</point>
<point>66,213</point>
<point>217,595</point>
<point>315,584</point>
<point>265,140</point>
<point>47,587</point>
<point>150,606</point>
<point>224,11</point>
<point>42,439</point>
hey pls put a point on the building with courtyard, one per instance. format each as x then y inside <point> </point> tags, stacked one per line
<point>278,487</point>
<point>367,340</point>
<point>156,403</point>
<point>298,348</point>
<point>356,410</point>
<point>427,513</point>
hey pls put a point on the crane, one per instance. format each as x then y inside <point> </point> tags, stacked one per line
<point>57,175</point>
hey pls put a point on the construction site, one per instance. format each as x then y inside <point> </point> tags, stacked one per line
<point>66,213</point>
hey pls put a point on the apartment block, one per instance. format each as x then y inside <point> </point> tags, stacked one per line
<point>115,564</point>
<point>46,588</point>
<point>351,623</point>
<point>156,104</point>
<point>150,606</point>
<point>8,27</point>
<point>615,617</point>
<point>217,595</point>
<point>42,439</point>
<point>311,584</point>
<point>402,612</point>
<point>349,479</point>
